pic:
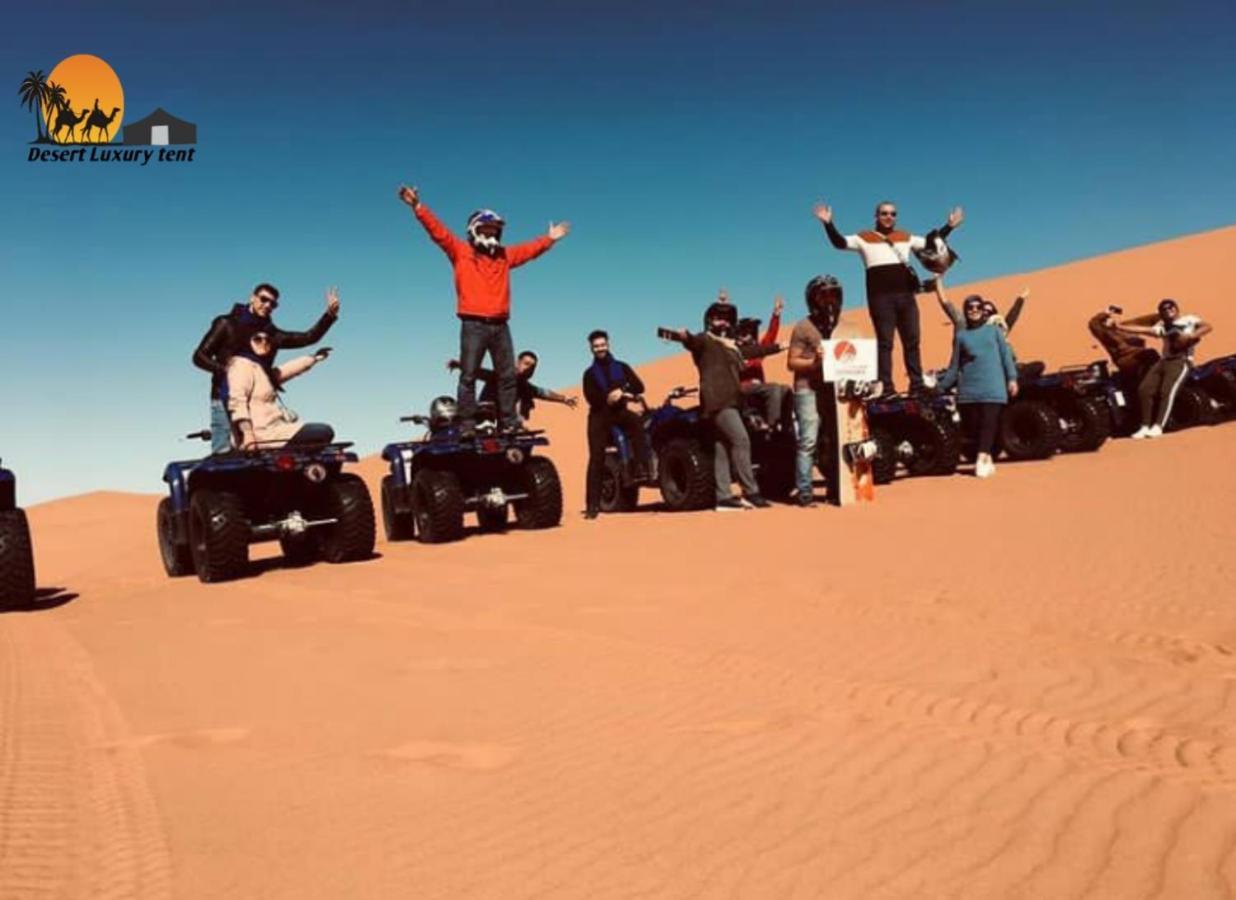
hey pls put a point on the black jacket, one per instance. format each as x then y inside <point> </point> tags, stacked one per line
<point>228,335</point>
<point>719,364</point>
<point>595,393</point>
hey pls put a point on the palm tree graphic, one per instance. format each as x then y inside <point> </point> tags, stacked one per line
<point>55,100</point>
<point>33,95</point>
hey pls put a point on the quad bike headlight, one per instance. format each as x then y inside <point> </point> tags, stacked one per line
<point>514,456</point>
<point>315,472</point>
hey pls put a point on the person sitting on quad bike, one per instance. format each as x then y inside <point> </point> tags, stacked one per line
<point>259,420</point>
<point>610,386</point>
<point>483,300</point>
<point>768,398</point>
<point>229,334</point>
<point>1157,391</point>
<point>719,358</point>
<point>985,373</point>
<point>805,359</point>
<point>526,392</point>
<point>1128,352</point>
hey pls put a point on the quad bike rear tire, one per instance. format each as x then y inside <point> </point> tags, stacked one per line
<point>177,557</point>
<point>1192,407</point>
<point>1030,429</point>
<point>1222,388</point>
<point>1089,424</point>
<point>346,499</point>
<point>218,535</point>
<point>398,526</point>
<point>17,587</point>
<point>884,466</point>
<point>542,508</point>
<point>686,476</point>
<point>437,506</point>
<point>615,497</point>
<point>935,444</point>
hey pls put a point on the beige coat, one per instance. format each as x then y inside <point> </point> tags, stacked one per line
<point>251,396</point>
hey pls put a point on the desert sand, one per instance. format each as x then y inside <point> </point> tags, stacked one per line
<point>1014,688</point>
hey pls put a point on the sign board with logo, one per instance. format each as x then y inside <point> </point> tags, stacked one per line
<point>850,359</point>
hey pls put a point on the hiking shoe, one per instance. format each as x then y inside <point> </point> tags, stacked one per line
<point>732,504</point>
<point>1154,431</point>
<point>758,501</point>
<point>806,501</point>
<point>591,514</point>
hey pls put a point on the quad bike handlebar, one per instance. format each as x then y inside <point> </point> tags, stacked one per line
<point>203,435</point>
<point>415,419</point>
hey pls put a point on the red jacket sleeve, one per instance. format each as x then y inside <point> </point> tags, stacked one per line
<point>439,233</point>
<point>774,329</point>
<point>528,250</point>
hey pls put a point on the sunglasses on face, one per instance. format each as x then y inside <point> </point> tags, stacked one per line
<point>886,214</point>
<point>261,339</point>
<point>269,301</point>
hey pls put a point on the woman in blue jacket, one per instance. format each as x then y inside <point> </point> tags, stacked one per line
<point>985,373</point>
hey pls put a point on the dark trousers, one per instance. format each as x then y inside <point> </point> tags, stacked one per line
<point>1157,392</point>
<point>982,420</point>
<point>897,314</point>
<point>600,424</point>
<point>476,338</point>
<point>312,433</point>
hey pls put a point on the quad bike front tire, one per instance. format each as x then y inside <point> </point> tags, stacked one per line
<point>437,506</point>
<point>542,508</point>
<point>686,476</point>
<point>17,586</point>
<point>1030,429</point>
<point>398,526</point>
<point>615,496</point>
<point>177,557</point>
<point>1089,424</point>
<point>218,535</point>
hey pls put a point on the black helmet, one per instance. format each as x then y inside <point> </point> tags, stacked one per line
<point>718,310</point>
<point>442,411</point>
<point>824,298</point>
<point>936,256</point>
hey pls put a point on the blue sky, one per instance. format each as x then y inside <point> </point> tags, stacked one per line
<point>686,145</point>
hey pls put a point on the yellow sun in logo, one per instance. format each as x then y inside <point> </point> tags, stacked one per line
<point>84,103</point>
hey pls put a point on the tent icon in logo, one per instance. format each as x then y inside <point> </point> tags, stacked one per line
<point>160,128</point>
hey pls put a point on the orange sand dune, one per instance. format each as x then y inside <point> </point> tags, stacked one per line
<point>1014,688</point>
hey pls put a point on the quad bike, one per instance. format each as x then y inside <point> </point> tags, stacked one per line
<point>298,495</point>
<point>16,555</point>
<point>436,479</point>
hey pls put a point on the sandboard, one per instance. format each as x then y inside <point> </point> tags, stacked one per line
<point>851,478</point>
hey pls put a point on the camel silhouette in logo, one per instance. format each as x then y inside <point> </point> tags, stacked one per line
<point>100,121</point>
<point>66,119</point>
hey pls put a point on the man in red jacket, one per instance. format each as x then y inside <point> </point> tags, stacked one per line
<point>483,291</point>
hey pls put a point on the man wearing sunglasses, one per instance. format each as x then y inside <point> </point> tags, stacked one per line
<point>230,333</point>
<point>891,283</point>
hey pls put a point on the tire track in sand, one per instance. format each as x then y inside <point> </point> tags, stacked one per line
<point>77,818</point>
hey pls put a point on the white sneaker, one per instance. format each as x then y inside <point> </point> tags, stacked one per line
<point>983,469</point>
<point>1154,431</point>
<point>1142,432</point>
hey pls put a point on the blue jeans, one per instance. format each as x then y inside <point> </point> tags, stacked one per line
<point>220,427</point>
<point>475,339</point>
<point>807,412</point>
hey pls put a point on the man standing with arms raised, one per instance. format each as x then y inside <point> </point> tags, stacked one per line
<point>483,300</point>
<point>891,283</point>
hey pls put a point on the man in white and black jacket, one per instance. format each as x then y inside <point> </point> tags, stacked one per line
<point>891,283</point>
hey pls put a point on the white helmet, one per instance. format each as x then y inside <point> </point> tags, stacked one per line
<point>936,256</point>
<point>486,243</point>
<point>442,411</point>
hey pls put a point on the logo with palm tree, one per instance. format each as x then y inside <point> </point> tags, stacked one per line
<point>80,102</point>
